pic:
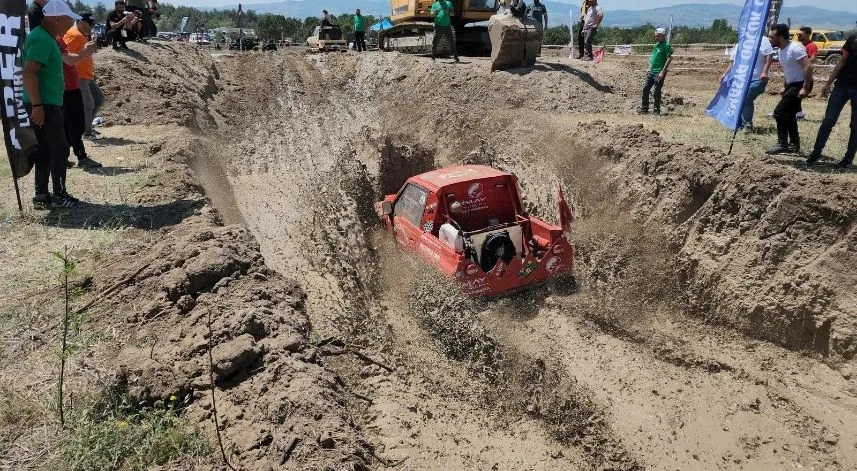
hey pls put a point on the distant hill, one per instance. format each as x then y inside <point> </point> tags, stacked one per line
<point>701,15</point>
<point>691,14</point>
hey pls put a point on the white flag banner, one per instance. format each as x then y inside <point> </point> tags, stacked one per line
<point>623,50</point>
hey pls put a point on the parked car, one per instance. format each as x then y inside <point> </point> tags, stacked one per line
<point>829,44</point>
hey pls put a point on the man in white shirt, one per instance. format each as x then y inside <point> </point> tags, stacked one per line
<point>797,71</point>
<point>759,81</point>
<point>591,22</point>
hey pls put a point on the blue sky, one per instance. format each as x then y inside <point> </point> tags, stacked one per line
<point>841,5</point>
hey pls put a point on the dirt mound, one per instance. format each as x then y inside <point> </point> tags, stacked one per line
<point>157,83</point>
<point>207,287</point>
<point>763,248</point>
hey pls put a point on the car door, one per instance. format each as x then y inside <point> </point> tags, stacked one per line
<point>408,212</point>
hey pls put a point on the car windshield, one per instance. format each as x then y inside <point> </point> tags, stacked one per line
<point>835,36</point>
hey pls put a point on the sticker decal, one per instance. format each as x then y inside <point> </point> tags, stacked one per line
<point>475,191</point>
<point>528,269</point>
<point>428,226</point>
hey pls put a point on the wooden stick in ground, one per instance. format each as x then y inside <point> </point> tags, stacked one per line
<point>290,450</point>
<point>368,359</point>
<point>213,401</point>
<point>63,351</point>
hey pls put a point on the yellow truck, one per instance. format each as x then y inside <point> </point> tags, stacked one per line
<point>829,44</point>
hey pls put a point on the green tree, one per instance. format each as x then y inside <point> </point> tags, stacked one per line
<point>99,12</point>
<point>271,27</point>
<point>557,35</point>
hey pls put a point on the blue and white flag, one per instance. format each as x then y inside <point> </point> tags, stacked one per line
<point>727,104</point>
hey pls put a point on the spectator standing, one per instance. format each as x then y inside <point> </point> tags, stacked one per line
<point>76,39</point>
<point>150,12</point>
<point>583,9</point>
<point>359,31</point>
<point>759,81</point>
<point>326,20</point>
<point>72,104</point>
<point>43,101</point>
<point>539,12</point>
<point>35,13</point>
<point>805,38</point>
<point>797,72</point>
<point>518,9</point>
<point>659,62</point>
<point>844,82</point>
<point>592,20</point>
<point>441,11</point>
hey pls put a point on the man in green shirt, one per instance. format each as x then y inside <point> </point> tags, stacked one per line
<point>43,100</point>
<point>359,31</point>
<point>659,62</point>
<point>441,11</point>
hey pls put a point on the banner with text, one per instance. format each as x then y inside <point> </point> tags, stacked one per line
<point>19,136</point>
<point>727,104</point>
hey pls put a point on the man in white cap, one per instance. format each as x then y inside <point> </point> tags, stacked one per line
<point>43,100</point>
<point>659,62</point>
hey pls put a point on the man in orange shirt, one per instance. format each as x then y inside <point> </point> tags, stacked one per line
<point>75,39</point>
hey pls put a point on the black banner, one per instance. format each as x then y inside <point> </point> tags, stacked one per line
<point>20,140</point>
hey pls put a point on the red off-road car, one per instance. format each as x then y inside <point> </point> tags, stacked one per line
<point>468,221</point>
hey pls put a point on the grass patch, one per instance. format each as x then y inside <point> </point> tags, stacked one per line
<point>132,440</point>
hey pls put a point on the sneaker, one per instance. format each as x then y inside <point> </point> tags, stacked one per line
<point>800,115</point>
<point>69,164</point>
<point>794,148</point>
<point>656,112</point>
<point>813,158</point>
<point>845,163</point>
<point>42,201</point>
<point>123,45</point>
<point>642,111</point>
<point>64,200</point>
<point>778,149</point>
<point>97,121</point>
<point>86,162</point>
<point>92,136</point>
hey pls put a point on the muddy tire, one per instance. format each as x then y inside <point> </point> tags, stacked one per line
<point>832,59</point>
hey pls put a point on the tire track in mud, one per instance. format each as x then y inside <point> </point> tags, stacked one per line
<point>296,162</point>
<point>658,393</point>
<point>670,409</point>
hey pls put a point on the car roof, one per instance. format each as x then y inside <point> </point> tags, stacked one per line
<point>444,177</point>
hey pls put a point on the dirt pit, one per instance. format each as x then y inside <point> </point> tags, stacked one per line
<point>711,325</point>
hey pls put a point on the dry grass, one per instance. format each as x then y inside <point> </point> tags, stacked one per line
<point>32,303</point>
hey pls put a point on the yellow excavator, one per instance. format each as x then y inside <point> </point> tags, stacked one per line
<point>413,27</point>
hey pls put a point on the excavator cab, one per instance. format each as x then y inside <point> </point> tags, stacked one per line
<point>511,42</point>
<point>413,27</point>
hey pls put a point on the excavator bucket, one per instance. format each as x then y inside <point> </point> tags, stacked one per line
<point>514,43</point>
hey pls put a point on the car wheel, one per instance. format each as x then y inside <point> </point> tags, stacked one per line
<point>833,59</point>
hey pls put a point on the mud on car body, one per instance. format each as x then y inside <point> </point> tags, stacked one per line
<point>468,222</point>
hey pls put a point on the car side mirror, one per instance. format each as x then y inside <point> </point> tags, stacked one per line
<point>387,208</point>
